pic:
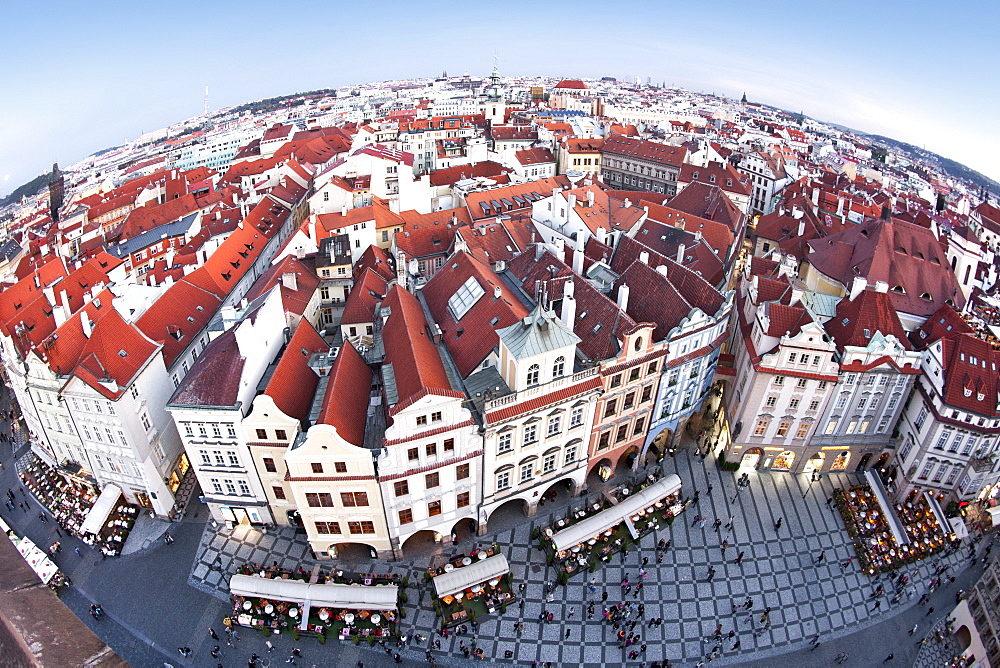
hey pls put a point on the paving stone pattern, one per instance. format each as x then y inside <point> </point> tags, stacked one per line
<point>779,570</point>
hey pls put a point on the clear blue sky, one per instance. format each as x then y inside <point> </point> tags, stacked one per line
<point>79,77</point>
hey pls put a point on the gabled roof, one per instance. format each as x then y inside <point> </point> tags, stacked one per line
<point>367,292</point>
<point>497,201</point>
<point>345,405</point>
<point>858,320</point>
<point>906,256</point>
<point>571,84</point>
<point>499,240</point>
<point>718,235</point>
<point>416,363</point>
<point>113,355</point>
<point>971,381</point>
<point>534,156</point>
<point>293,383</point>
<point>721,174</point>
<point>485,169</point>
<point>178,316</point>
<point>472,336</point>
<point>946,321</point>
<point>431,234</point>
<point>294,301</point>
<point>378,260</point>
<point>708,201</point>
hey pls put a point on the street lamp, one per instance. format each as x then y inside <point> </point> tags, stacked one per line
<point>812,478</point>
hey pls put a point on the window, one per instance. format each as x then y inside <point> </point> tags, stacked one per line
<point>771,401</point>
<point>530,433</point>
<point>842,400</point>
<point>527,472</point>
<point>610,408</point>
<point>261,434</point>
<point>761,428</point>
<point>555,425</point>
<point>188,429</point>
<point>791,358</point>
<point>340,467</point>
<point>436,416</point>
<point>231,430</point>
<point>412,454</point>
<point>549,463</point>
<point>327,527</point>
<point>279,492</point>
<point>505,442</point>
<point>943,439</point>
<point>244,487</point>
<point>220,459</point>
<point>206,460</point>
<point>629,401</point>
<point>433,508</point>
<point>230,487</point>
<point>463,500</point>
<point>816,359</point>
<point>647,393</point>
<point>802,430</point>
<point>639,424</point>
<point>145,422</point>
<point>802,383</point>
<point>604,441</point>
<point>616,380</point>
<point>280,434</point>
<point>822,385</point>
<point>558,367</point>
<point>634,374</point>
<point>779,380</point>
<point>354,499</point>
<point>405,516</point>
<point>862,402</point>
<point>421,420</point>
<point>317,467</point>
<point>940,472</point>
<point>576,417</point>
<point>319,499</point>
<point>783,427</point>
<point>651,368</point>
<point>927,469</point>
<point>893,400</point>
<point>234,459</point>
<point>361,527</point>
<point>533,374</point>
<point>921,418</point>
<point>851,378</point>
<point>957,443</point>
<point>432,449</point>
<point>432,480</point>
<point>449,444</point>
<point>503,480</point>
<point>401,487</point>
<point>793,404</point>
<point>570,453</point>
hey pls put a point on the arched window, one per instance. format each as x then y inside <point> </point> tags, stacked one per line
<point>533,374</point>
<point>638,343</point>
<point>558,367</point>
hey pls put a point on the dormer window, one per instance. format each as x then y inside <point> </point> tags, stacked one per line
<point>967,391</point>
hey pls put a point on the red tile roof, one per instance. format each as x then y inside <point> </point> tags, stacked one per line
<point>486,169</point>
<point>489,203</point>
<point>571,84</point>
<point>539,402</point>
<point>215,379</point>
<point>971,381</point>
<point>708,201</point>
<point>378,260</point>
<point>367,292</point>
<point>718,235</point>
<point>178,316</point>
<point>473,337</point>
<point>293,383</point>
<point>857,321</point>
<point>102,365</point>
<point>534,156</point>
<point>663,154</point>
<point>906,256</point>
<point>345,405</point>
<point>295,301</point>
<point>946,321</point>
<point>415,360</point>
<point>721,174</point>
<point>499,240</point>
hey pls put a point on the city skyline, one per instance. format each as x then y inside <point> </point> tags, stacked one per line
<point>82,81</point>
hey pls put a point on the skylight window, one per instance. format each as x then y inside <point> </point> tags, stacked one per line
<point>466,296</point>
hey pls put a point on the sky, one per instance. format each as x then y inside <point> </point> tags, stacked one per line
<point>79,77</point>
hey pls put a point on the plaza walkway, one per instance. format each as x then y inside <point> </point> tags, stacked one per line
<point>779,570</point>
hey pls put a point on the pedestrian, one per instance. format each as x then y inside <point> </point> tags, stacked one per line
<point>878,604</point>
<point>821,557</point>
<point>888,658</point>
<point>21,503</point>
<point>736,645</point>
<point>697,518</point>
<point>914,629</point>
<point>749,603</point>
<point>184,651</point>
<point>829,501</point>
<point>270,647</point>
<point>716,524</point>
<point>777,525</point>
<point>704,521</point>
<point>211,632</point>
<point>930,611</point>
<point>711,574</point>
<point>567,634</point>
<point>78,553</point>
<point>846,563</point>
<point>739,559</point>
<point>572,611</point>
<point>604,596</point>
<point>215,652</point>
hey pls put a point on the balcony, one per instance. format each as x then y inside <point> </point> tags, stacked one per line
<point>537,390</point>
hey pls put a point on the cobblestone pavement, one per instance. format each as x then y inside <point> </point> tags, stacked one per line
<point>934,653</point>
<point>779,570</point>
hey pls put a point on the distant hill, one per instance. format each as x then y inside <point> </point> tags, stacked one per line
<point>30,188</point>
<point>948,166</point>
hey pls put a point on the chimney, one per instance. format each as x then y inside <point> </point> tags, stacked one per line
<point>662,270</point>
<point>289,281</point>
<point>578,260</point>
<point>858,286</point>
<point>85,324</point>
<point>568,314</point>
<point>497,292</point>
<point>797,213</point>
<point>50,295</point>
<point>561,248</point>
<point>644,257</point>
<point>627,203</point>
<point>570,203</point>
<point>590,197</point>
<point>840,205</point>
<point>602,235</point>
<point>881,286</point>
<point>815,198</point>
<point>623,296</point>
<point>802,228</point>
<point>680,253</point>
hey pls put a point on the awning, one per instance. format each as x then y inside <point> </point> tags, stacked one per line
<point>588,528</point>
<point>891,518</point>
<point>25,546</point>
<point>353,597</point>
<point>475,573</point>
<point>101,509</point>
<point>957,526</point>
<point>45,569</point>
<point>938,513</point>
<point>995,515</point>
